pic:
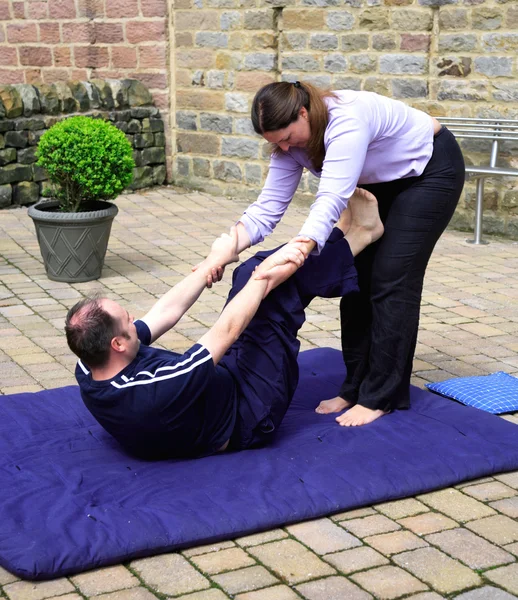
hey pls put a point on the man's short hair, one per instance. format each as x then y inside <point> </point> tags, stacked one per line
<point>90,329</point>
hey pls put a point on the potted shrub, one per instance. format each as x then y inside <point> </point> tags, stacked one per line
<point>89,161</point>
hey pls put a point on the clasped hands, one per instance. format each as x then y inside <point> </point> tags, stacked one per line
<point>276,268</point>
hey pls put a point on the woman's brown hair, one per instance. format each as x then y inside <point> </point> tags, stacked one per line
<point>278,104</point>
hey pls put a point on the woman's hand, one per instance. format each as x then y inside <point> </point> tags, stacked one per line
<point>224,250</point>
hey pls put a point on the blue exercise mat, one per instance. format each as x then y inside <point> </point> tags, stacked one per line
<point>71,500</point>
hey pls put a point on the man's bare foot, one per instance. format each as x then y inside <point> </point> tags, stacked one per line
<point>359,415</point>
<point>366,226</point>
<point>332,406</point>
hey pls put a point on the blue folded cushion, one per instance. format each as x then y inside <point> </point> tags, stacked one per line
<point>496,393</point>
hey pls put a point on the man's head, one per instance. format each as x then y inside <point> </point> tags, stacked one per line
<point>99,328</point>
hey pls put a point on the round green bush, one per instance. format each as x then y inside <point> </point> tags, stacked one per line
<point>86,159</point>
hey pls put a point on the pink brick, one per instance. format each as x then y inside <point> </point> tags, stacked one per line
<point>53,75</point>
<point>151,80</point>
<point>2,34</point>
<point>62,9</point>
<point>5,14</point>
<point>79,33</point>
<point>123,57</point>
<point>121,8</point>
<point>91,56</point>
<point>161,100</point>
<point>78,75</point>
<point>415,42</point>
<point>153,8</point>
<point>62,56</point>
<point>108,33</point>
<point>19,10</point>
<point>10,76</point>
<point>23,33</point>
<point>35,56</point>
<point>8,56</point>
<point>37,10</point>
<point>92,9</point>
<point>49,33</point>
<point>151,31</point>
<point>152,57</point>
<point>33,76</point>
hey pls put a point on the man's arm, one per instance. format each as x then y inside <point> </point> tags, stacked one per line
<point>171,307</point>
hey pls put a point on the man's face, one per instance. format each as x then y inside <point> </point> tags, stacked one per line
<point>296,135</point>
<point>128,332</point>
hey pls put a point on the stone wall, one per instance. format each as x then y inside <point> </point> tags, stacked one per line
<point>448,57</point>
<point>26,111</point>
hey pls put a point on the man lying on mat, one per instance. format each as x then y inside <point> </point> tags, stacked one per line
<point>233,387</point>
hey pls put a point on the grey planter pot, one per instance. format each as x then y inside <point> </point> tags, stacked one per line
<point>73,245</point>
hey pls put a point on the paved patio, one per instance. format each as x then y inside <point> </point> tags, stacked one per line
<point>460,542</point>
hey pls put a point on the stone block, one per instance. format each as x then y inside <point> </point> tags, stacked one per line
<point>6,195</point>
<point>203,100</point>
<point>485,17</point>
<point>7,155</point>
<point>29,97</point>
<point>374,18</point>
<point>409,88</point>
<point>236,102</point>
<point>253,174</point>
<point>377,85</point>
<point>159,139</point>
<point>33,56</point>
<point>5,125</point>
<point>456,505</point>
<point>27,156</point>
<point>453,18</point>
<point>105,93</point>
<point>14,172</point>
<point>294,41</point>
<point>142,177</point>
<point>201,167</point>
<point>362,63</point>
<point>186,120</point>
<point>412,42</point>
<point>262,61</point>
<point>122,126</point>
<point>383,41</point>
<point>67,102</point>
<point>412,19</point>
<point>17,139</point>
<point>259,19</point>
<point>340,20</point>
<point>335,63</point>
<point>159,174</point>
<point>198,143</point>
<point>142,112</point>
<point>215,79</point>
<point>403,64</point>
<point>199,20</point>
<point>22,33</point>
<point>29,124</point>
<point>437,3</point>
<point>494,66</point>
<point>323,536</point>
<point>454,42</point>
<point>230,20</point>
<point>355,41</point>
<point>347,83</point>
<point>463,90</point>
<point>227,170</point>
<point>216,122</point>
<point>211,39</point>
<point>26,192</point>
<point>151,31</point>
<point>11,100</point>
<point>500,42</point>
<point>38,173</point>
<point>143,140</point>
<point>323,41</point>
<point>505,92</point>
<point>151,156</point>
<point>454,67</point>
<point>134,126</point>
<point>309,18</point>
<point>300,62</point>
<point>239,147</point>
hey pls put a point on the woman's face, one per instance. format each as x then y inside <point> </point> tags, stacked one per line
<point>296,135</point>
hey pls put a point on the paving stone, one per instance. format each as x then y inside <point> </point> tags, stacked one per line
<point>6,577</point>
<point>291,561</point>
<point>169,574</point>
<point>425,596</point>
<point>388,582</point>
<point>356,559</point>
<point>398,509</point>
<point>67,597</point>
<point>456,505</point>
<point>397,541</point>
<point>370,525</point>
<point>485,593</point>
<point>506,577</point>
<point>31,590</point>
<point>353,514</point>
<point>441,572</point>
<point>212,594</point>
<point>486,492</point>
<point>508,506</point>
<point>279,592</point>
<point>223,560</point>
<point>510,479</point>
<point>208,548</point>
<point>471,549</point>
<point>332,588</point>
<point>244,580</point>
<point>139,593</point>
<point>104,580</point>
<point>323,536</point>
<point>261,538</point>
<point>498,529</point>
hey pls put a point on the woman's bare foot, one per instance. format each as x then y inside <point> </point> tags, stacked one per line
<point>344,222</point>
<point>366,226</point>
<point>359,415</point>
<point>332,406</point>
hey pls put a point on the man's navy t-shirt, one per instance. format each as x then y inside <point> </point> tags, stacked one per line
<point>164,404</point>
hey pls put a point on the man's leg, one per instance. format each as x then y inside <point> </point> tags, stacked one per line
<point>264,360</point>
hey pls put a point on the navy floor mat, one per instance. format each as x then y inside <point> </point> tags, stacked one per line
<point>71,500</point>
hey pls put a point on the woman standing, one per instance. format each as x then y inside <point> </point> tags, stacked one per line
<point>414,167</point>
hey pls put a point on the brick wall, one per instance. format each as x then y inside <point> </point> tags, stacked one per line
<point>46,41</point>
